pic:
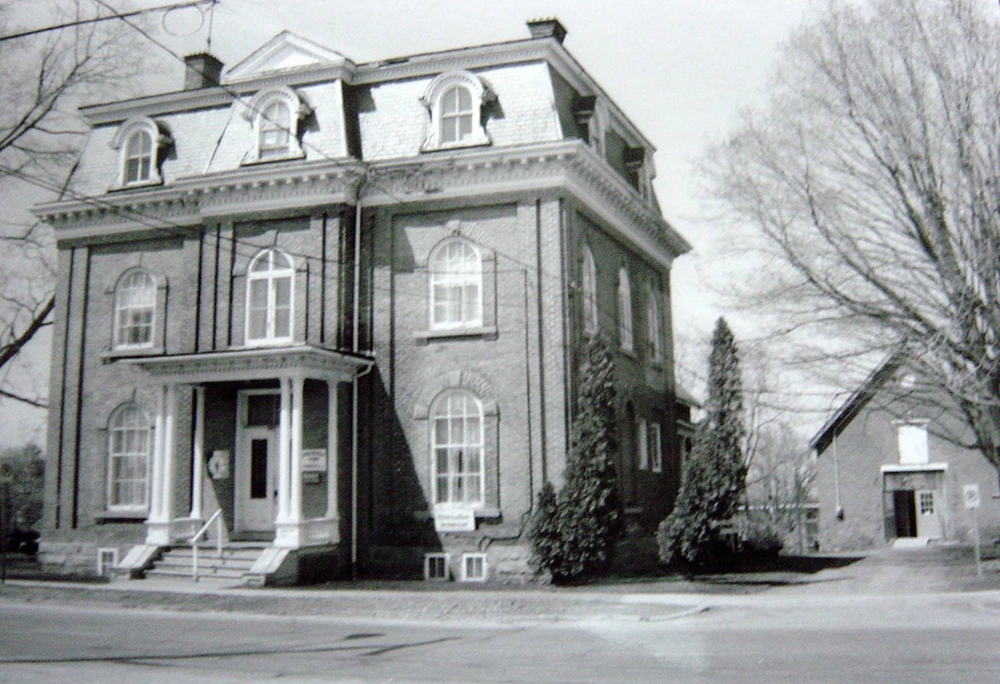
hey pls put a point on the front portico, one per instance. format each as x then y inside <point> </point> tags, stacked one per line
<point>262,424</point>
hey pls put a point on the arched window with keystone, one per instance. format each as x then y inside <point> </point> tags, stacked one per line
<point>140,143</point>
<point>456,285</point>
<point>455,101</point>
<point>270,297</point>
<point>276,115</point>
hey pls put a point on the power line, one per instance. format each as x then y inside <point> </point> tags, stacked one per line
<point>95,20</point>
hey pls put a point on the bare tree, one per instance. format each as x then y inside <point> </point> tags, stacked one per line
<point>44,75</point>
<point>873,181</point>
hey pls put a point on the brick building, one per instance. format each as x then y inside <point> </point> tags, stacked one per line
<point>890,469</point>
<point>344,305</point>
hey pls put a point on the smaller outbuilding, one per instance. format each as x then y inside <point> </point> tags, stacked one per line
<point>892,468</point>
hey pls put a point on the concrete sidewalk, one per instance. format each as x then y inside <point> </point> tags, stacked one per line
<point>884,577</point>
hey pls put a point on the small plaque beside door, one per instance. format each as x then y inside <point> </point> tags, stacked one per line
<point>314,460</point>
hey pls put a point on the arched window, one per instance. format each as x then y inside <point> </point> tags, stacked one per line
<point>589,287</point>
<point>138,158</point>
<point>135,308</point>
<point>653,324</point>
<point>455,100</point>
<point>128,459</point>
<point>456,115</point>
<point>624,310</point>
<point>456,427</point>
<point>275,114</point>
<point>456,285</point>
<point>273,130</point>
<point>270,283</point>
<point>139,142</point>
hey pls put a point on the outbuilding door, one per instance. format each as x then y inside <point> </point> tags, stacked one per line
<point>905,509</point>
<point>928,513</point>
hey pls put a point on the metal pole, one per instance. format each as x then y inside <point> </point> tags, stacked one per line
<point>979,555</point>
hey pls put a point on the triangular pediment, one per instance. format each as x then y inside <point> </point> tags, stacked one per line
<point>285,52</point>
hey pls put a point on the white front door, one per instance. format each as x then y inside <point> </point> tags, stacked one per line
<point>256,481</point>
<point>928,514</point>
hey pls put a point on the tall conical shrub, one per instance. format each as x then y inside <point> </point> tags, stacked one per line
<point>573,533</point>
<point>715,474</point>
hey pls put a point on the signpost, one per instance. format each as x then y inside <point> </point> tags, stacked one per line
<point>970,494</point>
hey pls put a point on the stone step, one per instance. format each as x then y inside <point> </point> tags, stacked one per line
<point>211,552</point>
<point>205,562</point>
<point>203,572</point>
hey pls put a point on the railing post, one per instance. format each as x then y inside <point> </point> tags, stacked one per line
<point>218,535</point>
<point>194,560</point>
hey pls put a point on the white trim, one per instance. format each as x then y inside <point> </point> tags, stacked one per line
<point>432,417</point>
<point>454,280</point>
<point>642,439</point>
<point>433,99</point>
<point>914,468</point>
<point>656,455</point>
<point>270,276</point>
<point>466,558</point>
<point>588,289</point>
<point>626,330</point>
<point>429,558</point>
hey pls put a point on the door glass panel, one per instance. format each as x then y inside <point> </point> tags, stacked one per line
<point>258,469</point>
<point>262,409</point>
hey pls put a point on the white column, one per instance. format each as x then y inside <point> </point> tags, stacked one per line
<point>295,501</point>
<point>156,472</point>
<point>332,457</point>
<point>284,452</point>
<point>169,455</point>
<point>198,467</point>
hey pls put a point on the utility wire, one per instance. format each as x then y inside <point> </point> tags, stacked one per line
<point>116,15</point>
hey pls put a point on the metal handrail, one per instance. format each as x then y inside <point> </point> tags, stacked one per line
<point>217,519</point>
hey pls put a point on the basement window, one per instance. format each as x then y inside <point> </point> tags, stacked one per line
<point>436,567</point>
<point>473,567</point>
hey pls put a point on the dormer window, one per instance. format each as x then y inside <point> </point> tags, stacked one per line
<point>455,101</point>
<point>275,114</point>
<point>139,142</point>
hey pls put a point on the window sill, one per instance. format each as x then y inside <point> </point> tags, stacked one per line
<point>488,332</point>
<point>113,517</point>
<point>152,183</point>
<point>291,156</point>
<point>129,353</point>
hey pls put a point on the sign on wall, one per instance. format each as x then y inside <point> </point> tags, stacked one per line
<point>454,519</point>
<point>970,494</point>
<point>314,460</point>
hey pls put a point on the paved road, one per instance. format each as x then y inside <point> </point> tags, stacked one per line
<point>947,639</point>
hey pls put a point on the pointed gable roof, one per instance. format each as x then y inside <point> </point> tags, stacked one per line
<point>286,52</point>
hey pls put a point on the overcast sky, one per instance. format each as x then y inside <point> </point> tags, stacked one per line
<point>680,69</point>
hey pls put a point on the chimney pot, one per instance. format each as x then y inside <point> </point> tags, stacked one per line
<point>547,28</point>
<point>201,71</point>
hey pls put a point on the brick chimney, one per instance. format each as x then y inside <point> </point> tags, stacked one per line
<point>547,28</point>
<point>201,71</point>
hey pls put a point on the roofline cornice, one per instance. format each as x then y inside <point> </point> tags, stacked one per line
<point>565,166</point>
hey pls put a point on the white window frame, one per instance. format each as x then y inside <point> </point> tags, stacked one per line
<point>474,558</point>
<point>434,100</point>
<point>655,447</point>
<point>129,419</point>
<point>588,287</point>
<point>442,275</point>
<point>625,328</point>
<point>122,142</point>
<point>430,560</point>
<point>653,325</point>
<point>264,123</point>
<point>130,304</point>
<point>443,410</point>
<point>270,276</point>
<point>642,443</point>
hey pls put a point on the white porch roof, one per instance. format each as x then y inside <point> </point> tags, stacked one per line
<point>264,363</point>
